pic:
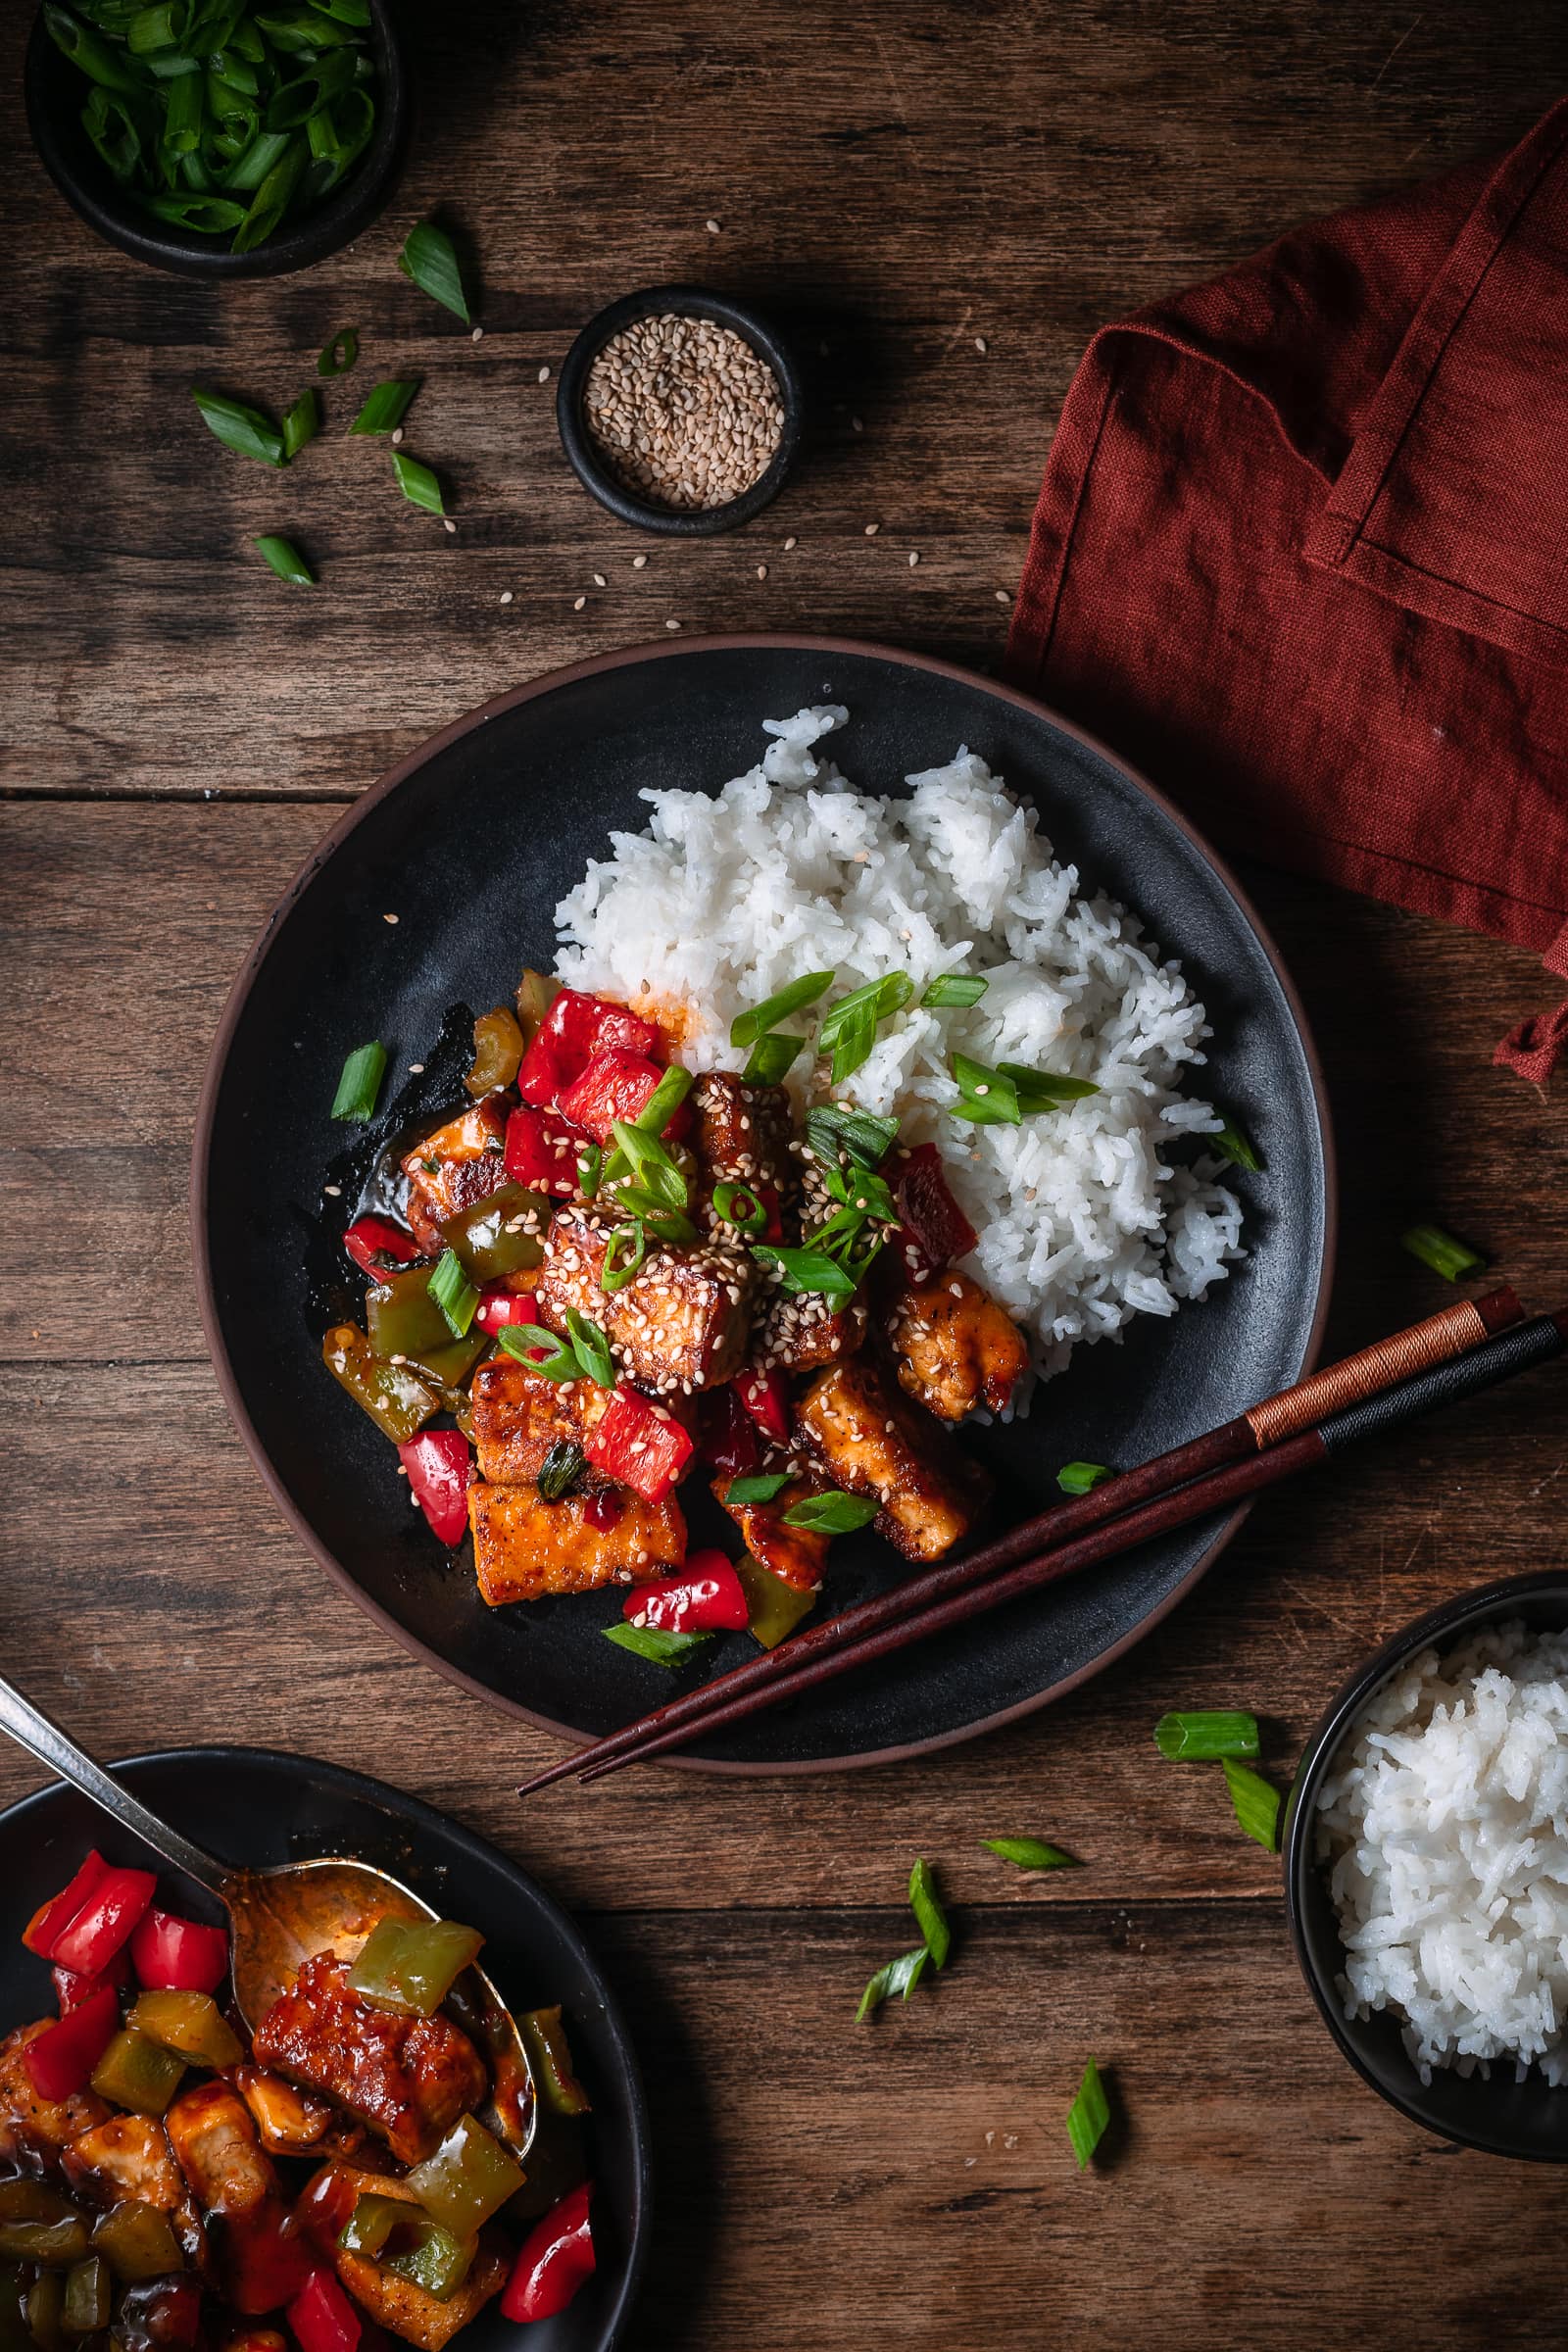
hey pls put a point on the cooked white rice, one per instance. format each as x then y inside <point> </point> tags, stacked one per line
<point>1446,1822</point>
<point>1085,1219</point>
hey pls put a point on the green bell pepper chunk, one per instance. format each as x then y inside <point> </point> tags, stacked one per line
<point>27,2200</point>
<point>402,1318</point>
<point>448,1369</point>
<point>88,2295</point>
<point>545,2040</point>
<point>482,1233</point>
<point>412,1967</point>
<point>372,2223</point>
<point>136,2073</point>
<point>396,1399</point>
<point>46,2301</point>
<point>436,2260</point>
<point>54,2245</point>
<point>773,1608</point>
<point>136,2241</point>
<point>469,2178</point>
<point>191,2023</point>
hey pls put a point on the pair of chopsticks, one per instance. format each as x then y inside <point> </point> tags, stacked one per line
<point>1451,1355</point>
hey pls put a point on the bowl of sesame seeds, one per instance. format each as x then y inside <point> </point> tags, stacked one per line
<point>680,411</point>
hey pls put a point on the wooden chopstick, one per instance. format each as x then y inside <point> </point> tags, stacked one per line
<point>775,1674</point>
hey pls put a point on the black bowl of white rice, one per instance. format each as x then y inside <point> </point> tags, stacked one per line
<point>1426,1869</point>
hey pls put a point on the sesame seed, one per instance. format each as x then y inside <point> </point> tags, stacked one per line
<point>856,425</point>
<point>600,581</point>
<point>871,529</point>
<point>389,918</point>
<point>578,603</point>
<point>478,334</point>
<point>711,227</point>
<point>415,1070</point>
<point>980,345</point>
<point>397,435</point>
<point>762,571</point>
<point>981,1089</point>
<point>544,376</point>
<point>789,543</point>
<point>447,524</point>
<point>334,1191</point>
<point>913,559</point>
<point>672,625</point>
<point>639,562</point>
<point>506,596</point>
<point>1003,598</point>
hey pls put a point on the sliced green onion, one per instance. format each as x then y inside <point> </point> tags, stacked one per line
<point>182,118</point>
<point>739,1207</point>
<point>761,1487</point>
<point>592,1348</point>
<point>387,406</point>
<point>265,149</point>
<point>543,1352</point>
<point>113,130</point>
<point>1043,1089</point>
<point>863,1192</point>
<point>207,215</point>
<point>1203,1737</point>
<point>851,1045</point>
<point>242,429</point>
<point>360,1082</point>
<point>653,1642</point>
<point>772,1057</point>
<point>1087,2116</point>
<point>747,1027</point>
<point>346,11</point>
<point>1010,1093</point>
<point>1255,1804</point>
<point>641,1153</point>
<point>833,1514</point>
<point>894,1975</point>
<point>293,103</point>
<point>953,989</point>
<point>1441,1251</point>
<point>929,1914</point>
<point>663,1223</point>
<point>832,1131</point>
<point>418,483</point>
<point>286,558</point>
<point>615,1273</point>
<point>561,1469</point>
<point>808,1270</point>
<point>453,1292</point>
<point>878,999</point>
<point>663,1102</point>
<point>1236,1149</point>
<point>430,259</point>
<point>273,198</point>
<point>157,28</point>
<point>301,423</point>
<point>1081,1478</point>
<point>590,1170</point>
<point>1031,1854</point>
<point>340,354</point>
<point>85,50</point>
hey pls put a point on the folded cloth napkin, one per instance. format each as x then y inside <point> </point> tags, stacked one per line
<point>1301,552</point>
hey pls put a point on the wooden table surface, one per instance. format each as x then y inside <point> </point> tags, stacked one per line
<point>901,181</point>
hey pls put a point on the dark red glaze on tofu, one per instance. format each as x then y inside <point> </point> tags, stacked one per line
<point>407,2078</point>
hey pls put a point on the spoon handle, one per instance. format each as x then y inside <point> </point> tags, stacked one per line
<point>33,1731</point>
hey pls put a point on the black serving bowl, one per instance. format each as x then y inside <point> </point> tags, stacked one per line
<point>56,92</point>
<point>689,302</point>
<point>1502,2116</point>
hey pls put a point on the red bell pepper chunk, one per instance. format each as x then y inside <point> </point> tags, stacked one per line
<point>542,1150</point>
<point>574,1029</point>
<point>51,1919</point>
<point>766,1394</point>
<point>498,1306</point>
<point>322,2318</point>
<point>935,1228</point>
<point>261,2262</point>
<point>74,1992</point>
<point>378,1247</point>
<point>707,1597</point>
<point>105,1920</point>
<point>556,2261</point>
<point>638,1443</point>
<point>439,1466</point>
<point>617,1085</point>
<point>62,2059</point>
<point>171,1955</point>
<point>732,1443</point>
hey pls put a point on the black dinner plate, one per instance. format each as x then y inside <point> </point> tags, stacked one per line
<point>255,1806</point>
<point>470,843</point>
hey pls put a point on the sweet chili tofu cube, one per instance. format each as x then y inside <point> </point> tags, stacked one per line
<point>680,1324</point>
<point>744,1131</point>
<point>407,2078</point>
<point>524,1548</point>
<point>127,2159</point>
<point>219,2149</point>
<point>953,1347</point>
<point>451,1169</point>
<point>519,1417</point>
<point>398,2304</point>
<point>872,1441</point>
<point>799,1331</point>
<point>793,1554</point>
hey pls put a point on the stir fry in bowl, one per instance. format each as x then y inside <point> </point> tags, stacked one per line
<point>609,1275</point>
<point>370,2163</point>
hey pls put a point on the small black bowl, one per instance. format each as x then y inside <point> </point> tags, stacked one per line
<point>1502,2116</point>
<point>56,92</point>
<point>688,302</point>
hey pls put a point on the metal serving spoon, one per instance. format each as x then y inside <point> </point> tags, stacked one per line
<point>281,1917</point>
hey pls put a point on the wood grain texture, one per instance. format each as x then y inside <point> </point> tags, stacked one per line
<point>894,181</point>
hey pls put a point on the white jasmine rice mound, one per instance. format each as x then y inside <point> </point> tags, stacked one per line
<point>1085,1216</point>
<point>1444,1824</point>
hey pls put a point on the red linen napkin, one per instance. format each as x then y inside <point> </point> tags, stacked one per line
<point>1301,554</point>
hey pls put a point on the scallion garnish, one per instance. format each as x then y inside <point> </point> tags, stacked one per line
<point>1255,1804</point>
<point>1236,1149</point>
<point>1010,1093</point>
<point>862,1191</point>
<point>808,1270</point>
<point>361,1083</point>
<point>1087,2116</point>
<point>387,406</point>
<point>560,1470</point>
<point>1202,1737</point>
<point>616,1270</point>
<point>772,1057</point>
<point>640,1154</point>
<point>666,1224</point>
<point>900,1976</point>
<point>592,1348</point>
<point>286,558</point>
<point>244,430</point>
<point>761,1487</point>
<point>1441,1251</point>
<point>302,422</point>
<point>664,1100</point>
<point>1081,1478</point>
<point>954,990</point>
<point>832,1130</point>
<point>418,483</point>
<point>747,1027</point>
<point>1031,1854</point>
<point>848,1030</point>
<point>430,259</point>
<point>590,1170</point>
<point>739,1207</point>
<point>653,1642</point>
<point>543,1352</point>
<point>832,1514</point>
<point>340,354</point>
<point>453,1292</point>
<point>928,1912</point>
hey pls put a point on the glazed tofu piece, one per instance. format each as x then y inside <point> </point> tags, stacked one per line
<point>872,1441</point>
<point>407,2078</point>
<point>524,1548</point>
<point>801,1331</point>
<point>288,2121</point>
<point>31,2128</point>
<point>219,2150</point>
<point>451,1169</point>
<point>127,2159</point>
<point>793,1554</point>
<point>518,1416</point>
<point>683,1321</point>
<point>953,1347</point>
<point>744,1131</point>
<point>398,2304</point>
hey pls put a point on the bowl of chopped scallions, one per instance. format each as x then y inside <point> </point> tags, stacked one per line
<point>218,137</point>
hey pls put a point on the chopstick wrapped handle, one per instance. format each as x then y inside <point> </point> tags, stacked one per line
<point>1532,1343</point>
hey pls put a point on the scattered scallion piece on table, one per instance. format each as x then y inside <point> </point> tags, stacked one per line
<point>286,558</point>
<point>1255,1804</point>
<point>953,990</point>
<point>360,1082</point>
<point>1087,2116</point>
<point>1081,1478</point>
<point>1031,1854</point>
<point>929,1914</point>
<point>453,1292</point>
<point>761,1486</point>
<point>1203,1735</point>
<point>418,483</point>
<point>747,1027</point>
<point>301,423</point>
<point>387,406</point>
<point>430,259</point>
<point>1441,1251</point>
<point>653,1642</point>
<point>245,430</point>
<point>339,356</point>
<point>1236,1148</point>
<point>900,1976</point>
<point>774,1053</point>
<point>832,1514</point>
